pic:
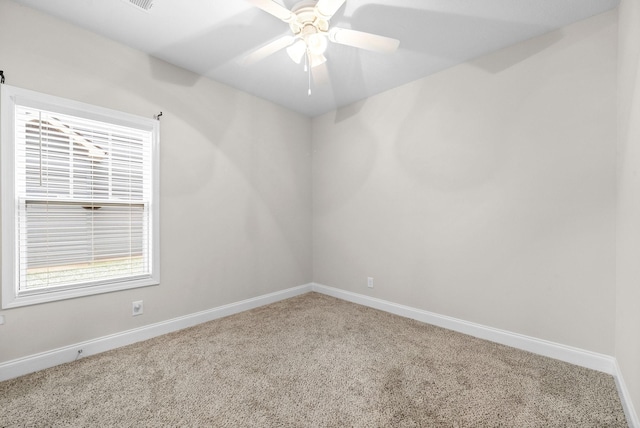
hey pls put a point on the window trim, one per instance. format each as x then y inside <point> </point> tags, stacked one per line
<point>9,97</point>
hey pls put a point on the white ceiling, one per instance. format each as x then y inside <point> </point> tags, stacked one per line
<point>211,37</point>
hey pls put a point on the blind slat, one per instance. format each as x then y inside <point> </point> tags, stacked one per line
<point>84,188</point>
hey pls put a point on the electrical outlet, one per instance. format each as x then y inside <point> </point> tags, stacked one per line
<point>1,319</point>
<point>137,308</point>
<point>370,282</point>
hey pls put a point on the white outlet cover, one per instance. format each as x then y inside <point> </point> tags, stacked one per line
<point>137,308</point>
<point>1,319</point>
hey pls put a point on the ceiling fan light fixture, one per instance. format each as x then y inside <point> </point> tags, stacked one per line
<point>317,43</point>
<point>297,50</point>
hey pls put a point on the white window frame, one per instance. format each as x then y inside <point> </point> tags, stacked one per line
<point>9,97</point>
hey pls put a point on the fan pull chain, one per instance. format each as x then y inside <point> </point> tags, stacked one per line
<point>308,70</point>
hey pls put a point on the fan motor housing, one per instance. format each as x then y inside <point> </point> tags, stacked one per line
<point>306,16</point>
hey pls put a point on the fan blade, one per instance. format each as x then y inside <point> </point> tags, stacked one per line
<point>274,9</point>
<point>327,8</point>
<point>268,49</point>
<point>320,74</point>
<point>359,39</point>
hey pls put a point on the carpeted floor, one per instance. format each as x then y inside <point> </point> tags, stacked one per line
<point>313,361</point>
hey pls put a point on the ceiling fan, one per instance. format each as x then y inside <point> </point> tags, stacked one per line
<point>309,24</point>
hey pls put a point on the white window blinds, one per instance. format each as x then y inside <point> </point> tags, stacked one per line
<point>84,192</point>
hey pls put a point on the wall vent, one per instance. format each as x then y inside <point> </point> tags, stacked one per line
<point>142,4</point>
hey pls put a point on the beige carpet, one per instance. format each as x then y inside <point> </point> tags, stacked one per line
<point>313,361</point>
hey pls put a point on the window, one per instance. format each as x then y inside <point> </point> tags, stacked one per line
<point>79,199</point>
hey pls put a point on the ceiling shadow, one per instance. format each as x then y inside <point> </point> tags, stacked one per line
<point>504,59</point>
<point>454,37</point>
<point>348,79</point>
<point>219,45</point>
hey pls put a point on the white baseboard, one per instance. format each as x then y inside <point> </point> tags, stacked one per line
<point>625,398</point>
<point>33,363</point>
<point>580,357</point>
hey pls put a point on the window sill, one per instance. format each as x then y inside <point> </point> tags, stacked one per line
<point>12,301</point>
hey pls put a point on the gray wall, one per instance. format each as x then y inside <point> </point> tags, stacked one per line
<point>235,182</point>
<point>628,248</point>
<point>485,192</point>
